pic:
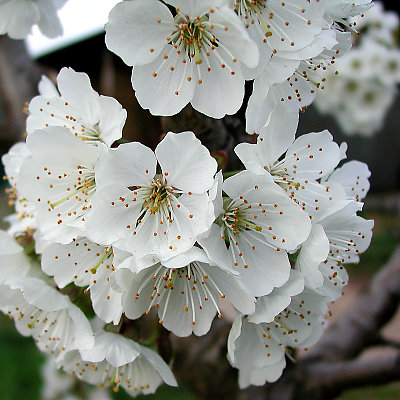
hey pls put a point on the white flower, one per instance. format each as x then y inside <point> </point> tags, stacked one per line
<point>18,16</point>
<point>58,385</point>
<point>360,95</point>
<point>58,177</point>
<point>13,260</point>
<point>353,176</point>
<point>42,312</point>
<point>258,350</point>
<point>340,10</point>
<point>194,56</point>
<point>377,23</point>
<point>307,159</point>
<point>24,218</point>
<point>278,27</point>
<point>151,211</point>
<point>313,252</point>
<point>293,78</point>
<point>87,264</point>
<point>294,91</point>
<point>349,235</point>
<point>78,107</point>
<point>117,361</point>
<point>13,160</point>
<point>185,290</point>
<point>269,306</point>
<point>255,227</point>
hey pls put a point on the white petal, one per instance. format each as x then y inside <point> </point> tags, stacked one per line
<point>215,247</point>
<point>278,134</point>
<point>353,176</point>
<point>13,261</point>
<point>71,262</point>
<point>49,23</point>
<point>274,139</point>
<point>159,365</point>
<point>268,307</point>
<point>116,349</point>
<point>261,268</point>
<point>313,154</point>
<point>133,163</point>
<point>105,296</point>
<point>137,30</point>
<point>259,376</point>
<point>165,85</point>
<point>186,163</point>
<point>313,252</point>
<point>17,17</point>
<point>108,221</point>
<point>76,87</point>
<point>231,33</point>
<point>232,289</point>
<point>84,338</point>
<point>220,85</point>
<point>47,88</point>
<point>112,119</point>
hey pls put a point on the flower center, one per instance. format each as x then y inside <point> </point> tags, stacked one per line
<point>251,11</point>
<point>82,184</point>
<point>89,134</point>
<point>157,200</point>
<point>192,36</point>
<point>191,283</point>
<point>237,217</point>
<point>159,197</point>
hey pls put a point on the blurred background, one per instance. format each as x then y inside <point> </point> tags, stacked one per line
<point>82,48</point>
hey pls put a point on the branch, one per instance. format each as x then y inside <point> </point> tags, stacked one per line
<point>202,366</point>
<point>354,373</point>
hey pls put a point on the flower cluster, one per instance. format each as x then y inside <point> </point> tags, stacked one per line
<point>359,97</point>
<point>121,231</point>
<point>214,46</point>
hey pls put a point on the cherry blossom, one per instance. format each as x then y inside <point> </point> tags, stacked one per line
<point>185,290</point>
<point>279,27</point>
<point>87,264</point>
<point>151,210</point>
<point>58,177</point>
<point>294,78</point>
<point>41,311</point>
<point>14,262</point>
<point>258,221</point>
<point>188,55</point>
<point>258,349</point>
<point>307,159</point>
<point>348,235</point>
<point>119,362</point>
<point>88,115</point>
<point>353,176</point>
<point>24,218</point>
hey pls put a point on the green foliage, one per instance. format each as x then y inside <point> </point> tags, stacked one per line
<point>20,363</point>
<point>164,392</point>
<point>386,392</point>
